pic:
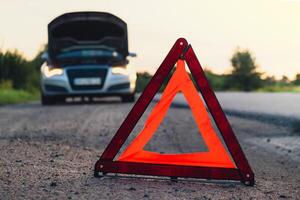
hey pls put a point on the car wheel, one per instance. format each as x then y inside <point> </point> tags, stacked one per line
<point>46,100</point>
<point>59,99</point>
<point>128,98</point>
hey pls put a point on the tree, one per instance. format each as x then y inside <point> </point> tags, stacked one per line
<point>18,71</point>
<point>142,81</point>
<point>244,75</point>
<point>216,81</point>
<point>14,67</point>
<point>269,81</point>
<point>297,80</point>
<point>284,80</point>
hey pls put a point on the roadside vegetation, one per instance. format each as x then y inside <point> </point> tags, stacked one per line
<point>11,96</point>
<point>244,76</point>
<point>19,77</point>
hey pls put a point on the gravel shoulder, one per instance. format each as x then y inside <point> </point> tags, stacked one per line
<point>49,153</point>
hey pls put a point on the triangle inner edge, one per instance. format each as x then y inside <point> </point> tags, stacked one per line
<point>182,137</point>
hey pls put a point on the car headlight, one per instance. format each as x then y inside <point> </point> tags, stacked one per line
<point>120,70</point>
<point>49,71</point>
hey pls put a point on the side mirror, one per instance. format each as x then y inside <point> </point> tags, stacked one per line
<point>45,56</point>
<point>132,54</point>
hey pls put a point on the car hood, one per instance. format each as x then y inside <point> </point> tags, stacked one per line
<point>86,30</point>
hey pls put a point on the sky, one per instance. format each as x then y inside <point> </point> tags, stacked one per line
<point>270,29</point>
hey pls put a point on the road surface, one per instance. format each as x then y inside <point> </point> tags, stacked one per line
<point>49,152</point>
<point>276,104</point>
<point>271,108</point>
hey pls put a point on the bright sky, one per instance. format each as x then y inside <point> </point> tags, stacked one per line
<point>269,28</point>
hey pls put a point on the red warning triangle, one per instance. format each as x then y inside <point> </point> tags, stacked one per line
<point>216,156</point>
<point>214,164</point>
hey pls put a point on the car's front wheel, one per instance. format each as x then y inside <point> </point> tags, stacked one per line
<point>128,98</point>
<point>50,100</point>
<point>47,100</point>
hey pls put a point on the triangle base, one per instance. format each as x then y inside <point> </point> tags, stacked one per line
<point>210,173</point>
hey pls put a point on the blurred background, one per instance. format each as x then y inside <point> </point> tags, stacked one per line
<point>243,45</point>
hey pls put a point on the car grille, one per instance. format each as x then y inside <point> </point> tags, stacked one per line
<point>87,73</point>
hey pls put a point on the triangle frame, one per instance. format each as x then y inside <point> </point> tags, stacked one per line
<point>243,172</point>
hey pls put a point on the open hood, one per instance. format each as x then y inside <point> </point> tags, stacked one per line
<point>86,30</point>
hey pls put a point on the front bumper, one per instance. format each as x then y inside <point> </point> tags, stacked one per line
<point>111,85</point>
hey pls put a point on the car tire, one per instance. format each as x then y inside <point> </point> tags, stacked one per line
<point>51,100</point>
<point>128,98</point>
<point>47,100</point>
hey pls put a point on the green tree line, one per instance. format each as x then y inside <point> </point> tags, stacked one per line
<point>244,76</point>
<point>18,73</point>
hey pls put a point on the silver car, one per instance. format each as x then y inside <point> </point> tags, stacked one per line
<point>87,56</point>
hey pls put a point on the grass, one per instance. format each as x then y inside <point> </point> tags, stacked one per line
<point>12,96</point>
<point>287,88</point>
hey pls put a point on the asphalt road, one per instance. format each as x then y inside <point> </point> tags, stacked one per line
<point>276,104</point>
<point>271,108</point>
<point>49,152</point>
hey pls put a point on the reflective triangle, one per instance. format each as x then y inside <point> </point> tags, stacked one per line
<point>214,164</point>
<point>216,156</point>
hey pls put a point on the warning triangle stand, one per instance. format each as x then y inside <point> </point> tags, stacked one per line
<point>214,164</point>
